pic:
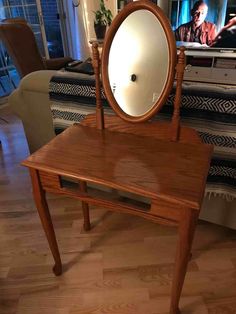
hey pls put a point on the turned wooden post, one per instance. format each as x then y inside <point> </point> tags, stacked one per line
<point>99,108</point>
<point>175,127</point>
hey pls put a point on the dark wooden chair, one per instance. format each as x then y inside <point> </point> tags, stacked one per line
<point>21,45</point>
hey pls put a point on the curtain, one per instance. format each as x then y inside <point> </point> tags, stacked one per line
<point>76,30</point>
<point>185,9</point>
<point>82,30</point>
<point>217,12</point>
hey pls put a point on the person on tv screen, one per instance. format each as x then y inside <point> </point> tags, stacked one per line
<point>197,30</point>
<point>226,38</point>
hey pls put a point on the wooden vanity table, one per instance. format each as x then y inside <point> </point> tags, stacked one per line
<point>163,162</point>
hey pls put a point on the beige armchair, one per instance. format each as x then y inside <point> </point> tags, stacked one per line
<point>30,102</point>
<point>22,47</point>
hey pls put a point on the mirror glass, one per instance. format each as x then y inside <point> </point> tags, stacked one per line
<point>138,63</point>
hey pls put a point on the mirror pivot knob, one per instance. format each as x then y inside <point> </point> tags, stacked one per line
<point>133,77</point>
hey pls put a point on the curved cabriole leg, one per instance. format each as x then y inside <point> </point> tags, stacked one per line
<point>187,227</point>
<point>85,207</point>
<point>57,269</point>
<point>45,217</point>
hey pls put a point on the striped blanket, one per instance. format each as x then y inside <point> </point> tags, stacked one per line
<point>208,108</point>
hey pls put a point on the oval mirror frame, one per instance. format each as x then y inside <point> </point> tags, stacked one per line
<point>161,17</point>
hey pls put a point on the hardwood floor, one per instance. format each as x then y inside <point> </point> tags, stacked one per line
<point>122,266</point>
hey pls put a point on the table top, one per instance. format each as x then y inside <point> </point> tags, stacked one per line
<point>144,165</point>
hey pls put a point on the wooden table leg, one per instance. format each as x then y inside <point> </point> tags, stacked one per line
<point>187,228</point>
<point>44,214</point>
<point>85,207</point>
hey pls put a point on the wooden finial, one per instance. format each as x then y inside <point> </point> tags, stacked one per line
<point>96,66</point>
<point>179,79</point>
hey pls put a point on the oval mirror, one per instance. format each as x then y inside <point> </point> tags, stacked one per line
<point>138,61</point>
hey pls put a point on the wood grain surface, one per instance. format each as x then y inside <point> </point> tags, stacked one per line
<point>142,165</point>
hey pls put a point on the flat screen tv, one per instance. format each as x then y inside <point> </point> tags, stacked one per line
<point>209,24</point>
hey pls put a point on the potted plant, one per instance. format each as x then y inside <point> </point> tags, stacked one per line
<point>103,17</point>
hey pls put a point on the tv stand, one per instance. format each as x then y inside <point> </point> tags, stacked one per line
<point>211,66</point>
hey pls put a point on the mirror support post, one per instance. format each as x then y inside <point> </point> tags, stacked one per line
<point>99,108</point>
<point>179,79</point>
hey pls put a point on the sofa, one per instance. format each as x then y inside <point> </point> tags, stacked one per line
<point>31,103</point>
